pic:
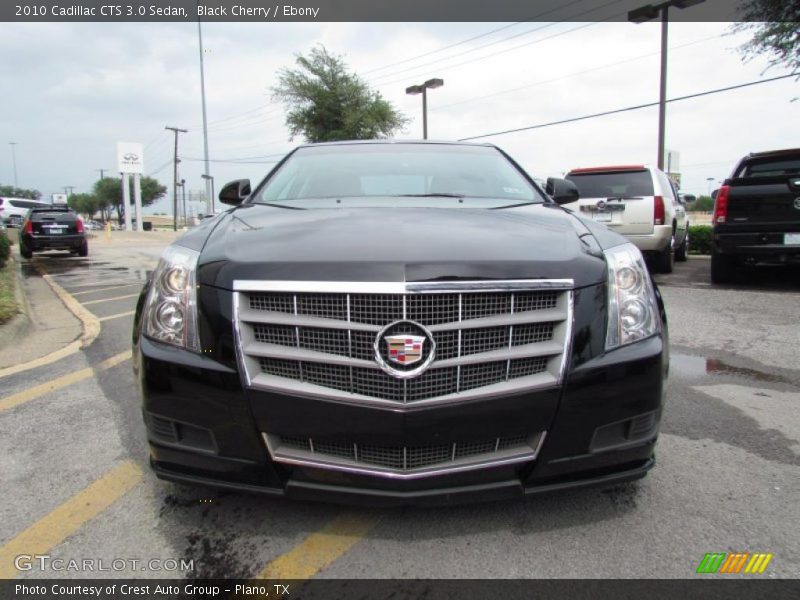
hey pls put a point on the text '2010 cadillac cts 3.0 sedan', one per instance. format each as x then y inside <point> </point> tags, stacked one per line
<point>397,322</point>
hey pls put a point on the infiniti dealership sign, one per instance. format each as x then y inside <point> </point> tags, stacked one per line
<point>129,157</point>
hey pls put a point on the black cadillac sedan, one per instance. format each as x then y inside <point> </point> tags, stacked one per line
<point>400,322</point>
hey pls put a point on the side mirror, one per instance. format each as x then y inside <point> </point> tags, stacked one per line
<point>235,192</point>
<point>561,190</point>
<point>689,198</point>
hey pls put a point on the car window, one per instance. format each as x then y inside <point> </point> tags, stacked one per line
<point>609,184</point>
<point>770,168</point>
<point>375,170</point>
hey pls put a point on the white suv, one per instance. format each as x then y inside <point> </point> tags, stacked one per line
<point>639,202</point>
<point>13,210</point>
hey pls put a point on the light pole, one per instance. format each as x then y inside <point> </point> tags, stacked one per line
<point>183,195</point>
<point>422,89</point>
<point>709,180</point>
<point>648,12</point>
<point>14,160</point>
<point>205,120</point>
<point>210,179</point>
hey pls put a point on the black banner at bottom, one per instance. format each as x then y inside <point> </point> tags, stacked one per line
<point>396,589</point>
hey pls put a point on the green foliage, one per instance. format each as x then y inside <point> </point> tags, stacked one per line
<point>700,239</point>
<point>108,192</point>
<point>774,24</point>
<point>702,204</point>
<point>326,103</point>
<point>5,248</point>
<point>85,204</point>
<point>9,191</point>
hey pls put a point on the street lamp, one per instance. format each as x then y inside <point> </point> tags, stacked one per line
<point>648,12</point>
<point>210,179</point>
<point>14,160</point>
<point>709,180</point>
<point>422,89</point>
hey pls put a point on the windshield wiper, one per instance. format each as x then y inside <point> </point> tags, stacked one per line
<point>515,205</point>
<point>432,195</point>
<point>278,205</point>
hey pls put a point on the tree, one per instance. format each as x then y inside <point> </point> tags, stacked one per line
<point>85,204</point>
<point>702,204</point>
<point>10,191</point>
<point>109,193</point>
<point>774,24</point>
<point>326,103</point>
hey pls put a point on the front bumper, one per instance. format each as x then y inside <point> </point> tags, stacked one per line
<point>601,429</point>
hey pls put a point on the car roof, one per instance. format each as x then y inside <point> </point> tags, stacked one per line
<point>776,153</point>
<point>609,169</point>
<point>392,141</point>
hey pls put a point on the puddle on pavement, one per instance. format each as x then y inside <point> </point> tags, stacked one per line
<point>694,367</point>
<point>74,272</point>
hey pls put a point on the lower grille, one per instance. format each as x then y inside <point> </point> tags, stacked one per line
<point>403,461</point>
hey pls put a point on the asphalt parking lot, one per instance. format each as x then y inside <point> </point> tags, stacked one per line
<point>77,485</point>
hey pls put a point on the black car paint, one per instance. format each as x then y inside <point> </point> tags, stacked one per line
<point>40,239</point>
<point>536,241</point>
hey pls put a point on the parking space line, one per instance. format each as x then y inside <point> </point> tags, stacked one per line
<point>66,519</point>
<point>60,382</point>
<point>109,299</point>
<point>106,289</point>
<point>118,315</point>
<point>320,549</point>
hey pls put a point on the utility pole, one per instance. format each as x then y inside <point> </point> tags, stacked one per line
<point>68,190</point>
<point>176,130</point>
<point>206,174</point>
<point>14,160</point>
<point>101,172</point>
<point>183,195</point>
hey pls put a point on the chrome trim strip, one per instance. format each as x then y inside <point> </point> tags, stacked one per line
<point>511,457</point>
<point>401,287</point>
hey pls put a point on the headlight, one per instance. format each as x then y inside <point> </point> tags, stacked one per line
<point>170,313</point>
<point>632,308</point>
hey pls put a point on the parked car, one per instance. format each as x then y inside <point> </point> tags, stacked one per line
<point>639,202</point>
<point>13,210</point>
<point>682,202</point>
<point>54,227</point>
<point>397,322</point>
<point>757,214</point>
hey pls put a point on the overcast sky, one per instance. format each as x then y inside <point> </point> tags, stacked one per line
<point>71,91</point>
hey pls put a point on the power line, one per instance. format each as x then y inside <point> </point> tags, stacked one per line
<point>516,35</point>
<point>626,109</point>
<point>570,75</point>
<point>472,39</point>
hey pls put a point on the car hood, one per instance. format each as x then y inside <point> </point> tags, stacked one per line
<point>256,242</point>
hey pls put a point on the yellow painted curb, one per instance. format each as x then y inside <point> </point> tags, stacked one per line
<point>89,322</point>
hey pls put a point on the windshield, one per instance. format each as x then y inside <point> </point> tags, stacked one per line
<point>397,170</point>
<point>609,184</point>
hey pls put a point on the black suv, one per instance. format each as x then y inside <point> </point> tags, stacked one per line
<point>52,228</point>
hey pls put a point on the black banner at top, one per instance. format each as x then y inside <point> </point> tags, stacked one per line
<point>379,10</point>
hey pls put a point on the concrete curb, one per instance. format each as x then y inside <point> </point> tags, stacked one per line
<point>90,327</point>
<point>18,325</point>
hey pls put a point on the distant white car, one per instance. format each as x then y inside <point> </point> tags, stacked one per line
<point>13,210</point>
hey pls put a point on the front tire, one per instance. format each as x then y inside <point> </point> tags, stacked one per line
<point>723,268</point>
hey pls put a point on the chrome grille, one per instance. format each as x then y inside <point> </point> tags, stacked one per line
<point>409,461</point>
<point>322,343</point>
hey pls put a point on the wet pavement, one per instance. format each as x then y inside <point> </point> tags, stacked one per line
<point>726,478</point>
